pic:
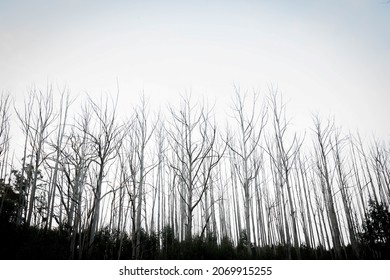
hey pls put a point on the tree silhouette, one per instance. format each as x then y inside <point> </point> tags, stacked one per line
<point>8,203</point>
<point>376,227</point>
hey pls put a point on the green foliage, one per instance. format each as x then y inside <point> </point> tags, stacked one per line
<point>169,243</point>
<point>200,248</point>
<point>376,230</point>
<point>104,245</point>
<point>8,203</point>
<point>31,243</point>
<point>23,182</point>
<point>149,245</point>
<point>227,250</point>
<point>25,242</point>
<point>242,246</point>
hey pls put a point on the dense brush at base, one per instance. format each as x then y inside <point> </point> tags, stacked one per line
<point>24,243</point>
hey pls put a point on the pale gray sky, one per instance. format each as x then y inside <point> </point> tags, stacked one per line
<point>330,57</point>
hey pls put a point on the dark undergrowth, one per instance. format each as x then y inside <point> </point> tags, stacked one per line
<point>24,243</point>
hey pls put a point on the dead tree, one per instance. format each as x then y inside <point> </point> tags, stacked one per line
<point>105,136</point>
<point>244,144</point>
<point>284,156</point>
<point>323,148</point>
<point>37,119</point>
<point>192,138</point>
<point>140,133</point>
<point>58,146</point>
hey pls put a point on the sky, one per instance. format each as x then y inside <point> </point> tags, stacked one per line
<point>328,57</point>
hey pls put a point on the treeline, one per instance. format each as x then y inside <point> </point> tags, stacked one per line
<point>23,242</point>
<point>94,181</point>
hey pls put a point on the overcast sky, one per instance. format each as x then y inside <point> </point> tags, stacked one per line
<point>330,57</point>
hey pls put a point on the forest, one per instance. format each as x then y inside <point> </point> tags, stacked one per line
<point>186,182</point>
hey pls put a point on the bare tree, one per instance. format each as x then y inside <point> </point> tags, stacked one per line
<point>342,177</point>
<point>25,122</point>
<point>284,157</point>
<point>36,124</point>
<point>139,135</point>
<point>105,137</point>
<point>76,158</point>
<point>323,148</point>
<point>192,140</point>
<point>4,142</point>
<point>246,142</point>
<point>4,133</point>
<point>58,146</point>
